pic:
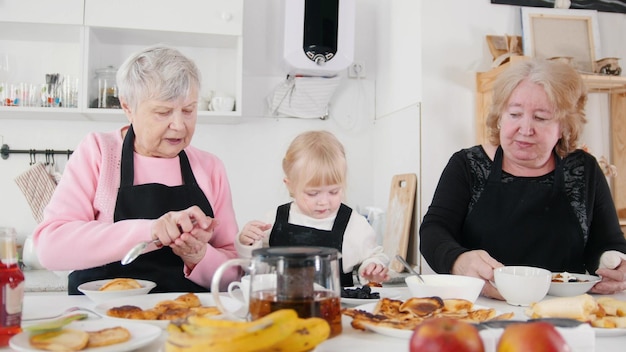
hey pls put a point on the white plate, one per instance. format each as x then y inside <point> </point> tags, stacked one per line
<point>141,335</point>
<point>384,292</point>
<point>600,332</point>
<point>383,330</point>
<point>92,290</point>
<point>150,300</point>
<point>565,289</point>
<point>391,332</point>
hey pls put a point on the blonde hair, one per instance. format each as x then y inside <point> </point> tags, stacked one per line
<point>315,158</point>
<point>564,87</point>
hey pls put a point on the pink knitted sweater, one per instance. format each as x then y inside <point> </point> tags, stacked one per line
<point>78,231</point>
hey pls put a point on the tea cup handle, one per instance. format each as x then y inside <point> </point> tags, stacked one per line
<point>215,285</point>
<point>232,287</point>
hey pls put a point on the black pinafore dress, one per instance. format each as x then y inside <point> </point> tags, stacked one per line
<point>149,201</point>
<point>285,234</point>
<point>526,222</point>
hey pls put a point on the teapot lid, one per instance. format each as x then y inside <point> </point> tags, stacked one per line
<point>291,252</point>
<point>294,256</point>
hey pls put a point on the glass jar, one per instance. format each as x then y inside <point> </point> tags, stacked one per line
<point>11,287</point>
<point>107,89</point>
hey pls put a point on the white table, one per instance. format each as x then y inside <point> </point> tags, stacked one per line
<point>350,340</point>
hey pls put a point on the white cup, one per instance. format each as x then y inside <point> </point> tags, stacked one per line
<point>29,254</point>
<point>522,285</point>
<point>240,290</point>
<point>222,103</point>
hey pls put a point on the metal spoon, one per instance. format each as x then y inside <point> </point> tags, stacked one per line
<point>408,267</point>
<point>137,251</point>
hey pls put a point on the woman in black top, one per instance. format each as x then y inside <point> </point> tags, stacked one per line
<point>529,197</point>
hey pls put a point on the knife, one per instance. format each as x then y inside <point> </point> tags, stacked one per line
<point>501,324</point>
<point>53,325</point>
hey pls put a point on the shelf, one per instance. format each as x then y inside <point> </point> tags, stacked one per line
<point>101,115</point>
<point>595,83</point>
<point>97,35</point>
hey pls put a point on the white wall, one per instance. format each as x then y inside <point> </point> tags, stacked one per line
<point>252,151</point>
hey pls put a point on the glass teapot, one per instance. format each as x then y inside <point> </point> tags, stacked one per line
<point>305,279</point>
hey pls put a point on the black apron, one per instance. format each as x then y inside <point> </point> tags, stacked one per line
<point>149,201</point>
<point>285,234</point>
<point>525,222</point>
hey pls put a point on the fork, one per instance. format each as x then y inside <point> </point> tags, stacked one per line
<point>68,310</point>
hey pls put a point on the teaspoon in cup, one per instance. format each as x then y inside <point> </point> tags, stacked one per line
<point>408,267</point>
<point>137,250</point>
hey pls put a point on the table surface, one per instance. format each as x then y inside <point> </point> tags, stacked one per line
<point>40,304</point>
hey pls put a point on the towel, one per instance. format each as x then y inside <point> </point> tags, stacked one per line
<point>37,186</point>
<point>303,96</point>
<point>611,259</point>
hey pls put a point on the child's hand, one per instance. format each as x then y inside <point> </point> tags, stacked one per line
<point>253,231</point>
<point>375,272</point>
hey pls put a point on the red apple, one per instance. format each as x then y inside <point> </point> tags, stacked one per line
<point>446,335</point>
<point>532,337</point>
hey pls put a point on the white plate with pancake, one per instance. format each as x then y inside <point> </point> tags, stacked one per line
<point>391,332</point>
<point>383,330</point>
<point>148,301</point>
<point>93,290</point>
<point>384,292</point>
<point>141,335</point>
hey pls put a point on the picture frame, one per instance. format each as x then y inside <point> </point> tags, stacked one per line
<point>549,33</point>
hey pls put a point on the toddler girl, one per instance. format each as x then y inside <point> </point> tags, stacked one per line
<point>315,174</point>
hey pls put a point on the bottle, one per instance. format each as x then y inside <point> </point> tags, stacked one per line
<point>11,287</point>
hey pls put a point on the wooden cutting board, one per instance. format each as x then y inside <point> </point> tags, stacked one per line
<point>399,216</point>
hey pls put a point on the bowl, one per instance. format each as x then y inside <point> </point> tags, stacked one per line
<point>445,286</point>
<point>566,289</point>
<point>522,285</point>
<point>92,290</point>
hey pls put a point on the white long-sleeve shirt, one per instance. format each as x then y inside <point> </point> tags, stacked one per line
<point>359,240</point>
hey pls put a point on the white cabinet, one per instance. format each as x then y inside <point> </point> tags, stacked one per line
<point>42,11</point>
<point>208,31</point>
<point>192,16</point>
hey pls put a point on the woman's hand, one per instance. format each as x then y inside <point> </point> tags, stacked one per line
<point>253,231</point>
<point>187,232</point>
<point>478,263</point>
<point>375,272</point>
<point>613,280</point>
<point>172,224</point>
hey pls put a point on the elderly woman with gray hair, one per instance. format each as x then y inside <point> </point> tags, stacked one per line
<point>144,182</point>
<point>529,196</point>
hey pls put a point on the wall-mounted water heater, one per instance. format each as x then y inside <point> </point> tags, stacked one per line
<point>319,36</point>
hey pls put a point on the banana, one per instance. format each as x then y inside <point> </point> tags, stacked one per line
<point>309,333</point>
<point>211,327</point>
<point>217,323</point>
<point>252,336</point>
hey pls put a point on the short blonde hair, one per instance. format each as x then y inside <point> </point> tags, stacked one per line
<point>564,87</point>
<point>315,158</point>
